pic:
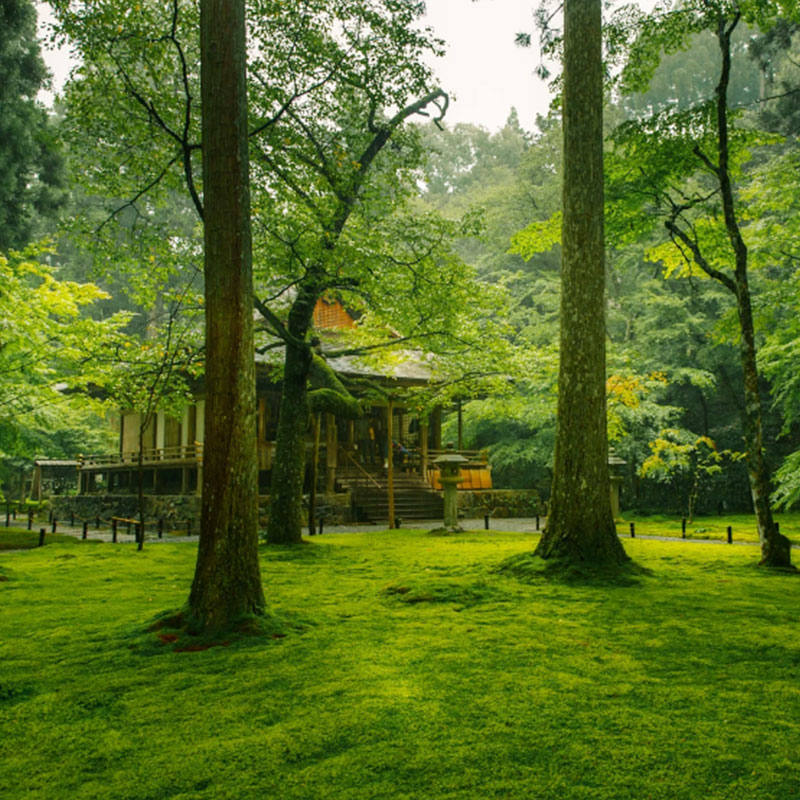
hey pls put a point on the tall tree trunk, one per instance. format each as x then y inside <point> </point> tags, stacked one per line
<point>289,465</point>
<point>140,487</point>
<point>581,526</point>
<point>775,548</point>
<point>227,581</point>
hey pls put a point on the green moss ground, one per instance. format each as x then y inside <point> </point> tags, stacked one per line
<point>23,539</point>
<point>710,527</point>
<point>400,665</point>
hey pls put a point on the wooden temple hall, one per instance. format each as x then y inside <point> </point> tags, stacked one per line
<point>343,456</point>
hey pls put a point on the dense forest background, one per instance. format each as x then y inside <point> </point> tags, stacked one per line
<point>114,300</point>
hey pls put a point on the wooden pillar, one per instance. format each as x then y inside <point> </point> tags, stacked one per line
<point>423,448</point>
<point>316,421</point>
<point>331,454</point>
<point>390,461</point>
<point>36,489</point>
<point>262,419</point>
<point>160,423</point>
<point>200,423</point>
<point>436,423</point>
<point>200,432</point>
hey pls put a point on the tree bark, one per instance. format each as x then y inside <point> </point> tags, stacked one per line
<point>227,581</point>
<point>775,548</point>
<point>288,469</point>
<point>581,526</point>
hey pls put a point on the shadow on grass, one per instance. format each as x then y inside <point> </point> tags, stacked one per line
<point>444,591</point>
<point>528,568</point>
<point>173,632</point>
<point>302,551</point>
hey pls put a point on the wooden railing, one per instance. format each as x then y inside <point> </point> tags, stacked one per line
<point>363,474</point>
<point>191,453</point>
<point>475,471</point>
<point>474,457</point>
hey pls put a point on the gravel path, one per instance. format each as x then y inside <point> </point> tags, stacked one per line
<point>521,525</point>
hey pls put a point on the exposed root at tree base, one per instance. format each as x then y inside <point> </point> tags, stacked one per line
<point>784,569</point>
<point>181,633</point>
<point>446,531</point>
<point>530,568</point>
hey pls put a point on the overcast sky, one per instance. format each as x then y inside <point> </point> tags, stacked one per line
<point>484,71</point>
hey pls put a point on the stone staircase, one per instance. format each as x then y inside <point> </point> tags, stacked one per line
<point>413,497</point>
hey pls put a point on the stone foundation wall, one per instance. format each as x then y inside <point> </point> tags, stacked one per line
<point>501,503</point>
<point>170,508</point>
<point>176,508</point>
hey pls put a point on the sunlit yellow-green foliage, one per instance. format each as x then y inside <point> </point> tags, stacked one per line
<point>48,342</point>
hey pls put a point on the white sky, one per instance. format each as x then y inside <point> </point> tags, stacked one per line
<point>484,71</point>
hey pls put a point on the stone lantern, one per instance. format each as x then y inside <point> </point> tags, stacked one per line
<point>449,465</point>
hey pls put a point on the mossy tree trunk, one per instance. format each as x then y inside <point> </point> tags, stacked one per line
<point>289,465</point>
<point>775,548</point>
<point>580,526</point>
<point>227,581</point>
<point>301,364</point>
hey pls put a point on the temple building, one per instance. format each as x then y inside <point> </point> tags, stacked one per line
<point>355,458</point>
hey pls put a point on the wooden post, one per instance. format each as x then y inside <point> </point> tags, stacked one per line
<point>390,449</point>
<point>55,524</point>
<point>683,528</point>
<point>30,518</point>
<point>312,495</point>
<point>423,448</point>
<point>41,536</point>
<point>85,528</point>
<point>437,427</point>
<point>633,530</point>
<point>114,531</point>
<point>730,534</point>
<point>331,452</point>
<point>160,528</point>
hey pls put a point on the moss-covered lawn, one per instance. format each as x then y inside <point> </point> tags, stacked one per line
<point>23,539</point>
<point>402,666</point>
<point>710,527</point>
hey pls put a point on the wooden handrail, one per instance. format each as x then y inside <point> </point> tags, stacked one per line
<point>472,456</point>
<point>188,452</point>
<point>359,467</point>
